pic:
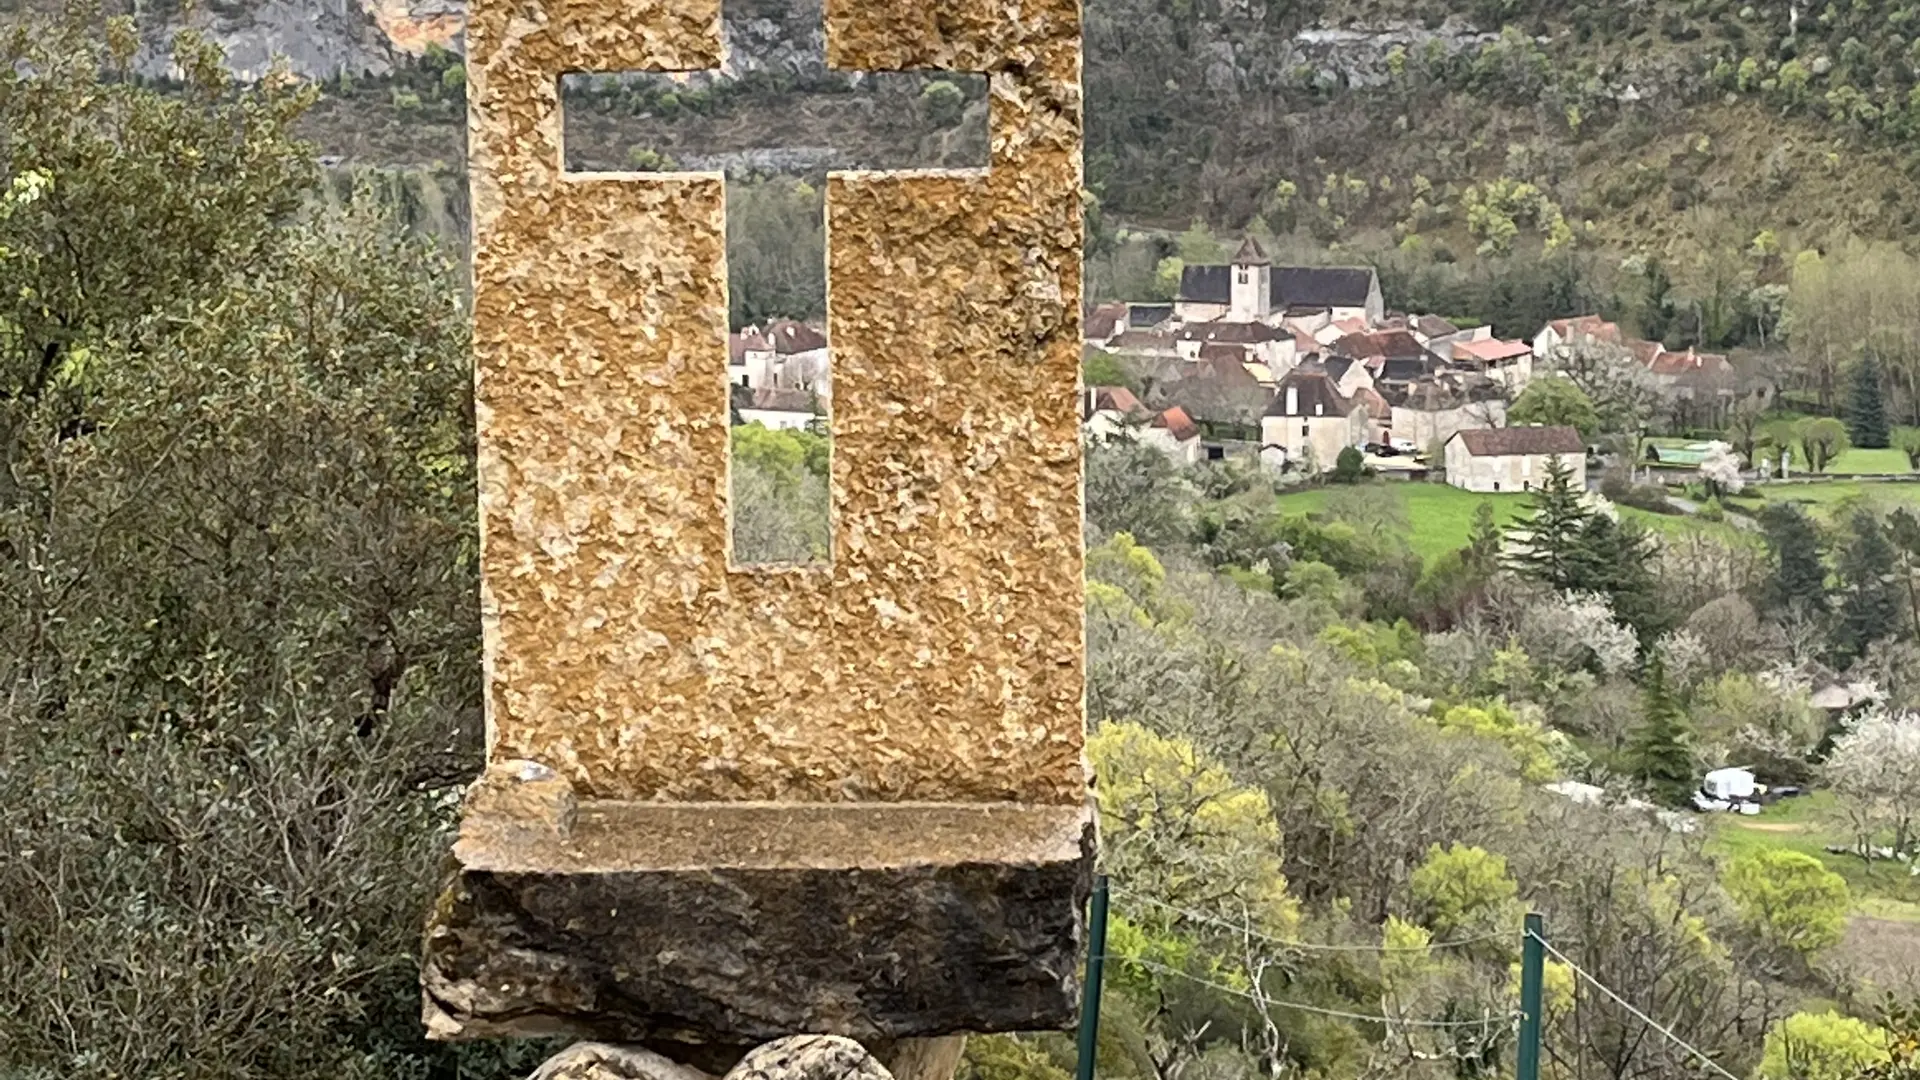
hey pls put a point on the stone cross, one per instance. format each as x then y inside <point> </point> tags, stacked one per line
<point>726,805</point>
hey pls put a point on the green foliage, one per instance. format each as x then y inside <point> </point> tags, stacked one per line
<point>943,103</point>
<point>1008,1057</point>
<point>1350,467</point>
<point>1821,440</point>
<point>1822,1046</point>
<point>1791,899</point>
<point>1462,891</point>
<point>1661,748</point>
<point>1799,579</point>
<point>1566,545</point>
<point>239,650</point>
<point>1554,401</point>
<point>1526,741</point>
<point>776,251</point>
<point>1867,405</point>
<point>784,454</point>
<point>1176,827</point>
<point>1102,368</point>
<point>1869,602</point>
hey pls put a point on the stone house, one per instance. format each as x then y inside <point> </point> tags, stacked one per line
<point>1495,460</point>
<point>1568,331</point>
<point>1175,434</point>
<point>780,409</point>
<point>1269,346</point>
<point>1509,363</point>
<point>1429,412</point>
<point>1310,422</point>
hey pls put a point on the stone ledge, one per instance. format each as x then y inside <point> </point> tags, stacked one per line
<point>728,925</point>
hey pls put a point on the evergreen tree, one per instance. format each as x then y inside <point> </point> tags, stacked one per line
<point>1484,540</point>
<point>1615,559</point>
<point>1546,544</point>
<point>1661,747</point>
<point>1869,606</point>
<point>1799,580</point>
<point>1867,405</point>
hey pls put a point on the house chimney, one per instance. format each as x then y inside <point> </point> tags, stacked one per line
<point>1293,401</point>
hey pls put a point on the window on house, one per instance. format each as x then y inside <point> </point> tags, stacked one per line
<point>1243,277</point>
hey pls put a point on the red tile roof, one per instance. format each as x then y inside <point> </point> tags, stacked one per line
<point>1178,424</point>
<point>1587,326</point>
<point>1116,399</point>
<point>1689,363</point>
<point>795,337</point>
<point>1490,350</point>
<point>1105,320</point>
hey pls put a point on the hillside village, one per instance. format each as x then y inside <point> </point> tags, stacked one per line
<point>1296,364</point>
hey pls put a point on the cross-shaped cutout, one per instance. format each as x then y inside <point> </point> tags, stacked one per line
<point>775,119</point>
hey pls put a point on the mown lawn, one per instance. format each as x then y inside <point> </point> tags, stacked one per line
<point>1440,517</point>
<point>1882,889</point>
<point>1824,498</point>
<point>1879,462</point>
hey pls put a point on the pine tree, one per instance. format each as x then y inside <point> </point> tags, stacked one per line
<point>1546,544</point>
<point>1484,538</point>
<point>1615,559</point>
<point>1661,748</point>
<point>1867,405</point>
<point>1870,605</point>
<point>1799,580</point>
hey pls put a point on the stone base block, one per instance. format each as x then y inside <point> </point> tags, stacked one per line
<point>728,925</point>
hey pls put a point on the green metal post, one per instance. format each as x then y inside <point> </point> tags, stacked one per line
<point>1533,956</point>
<point>1096,961</point>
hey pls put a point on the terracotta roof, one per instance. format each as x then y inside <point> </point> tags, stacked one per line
<point>1588,326</point>
<point>1232,333</point>
<point>1316,394</point>
<point>795,337</point>
<point>1116,399</point>
<point>1645,351</point>
<point>1178,424</point>
<point>771,399</point>
<point>1689,363</point>
<point>1491,351</point>
<point>1231,369</point>
<point>1220,351</point>
<point>1522,441</point>
<point>739,345</point>
<point>1377,406</point>
<point>1384,343</point>
<point>1104,321</point>
<point>1251,254</point>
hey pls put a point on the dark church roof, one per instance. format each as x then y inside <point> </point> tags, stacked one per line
<point>1293,286</point>
<point>1148,316</point>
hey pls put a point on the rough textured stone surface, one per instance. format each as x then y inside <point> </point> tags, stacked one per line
<point>940,658</point>
<point>740,923</point>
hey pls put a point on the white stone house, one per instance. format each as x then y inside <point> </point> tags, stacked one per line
<point>782,410</point>
<point>1493,460</point>
<point>1568,331</point>
<point>1310,422</point>
<point>1174,434</point>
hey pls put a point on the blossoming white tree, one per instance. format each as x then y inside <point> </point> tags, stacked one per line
<point>1875,770</point>
<point>1721,470</point>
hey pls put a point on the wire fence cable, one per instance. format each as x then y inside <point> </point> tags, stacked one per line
<point>1297,1006</point>
<point>1305,946</point>
<point>1644,1018</point>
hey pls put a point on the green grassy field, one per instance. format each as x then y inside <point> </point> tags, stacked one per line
<point>1884,890</point>
<point>1824,499</point>
<point>1440,518</point>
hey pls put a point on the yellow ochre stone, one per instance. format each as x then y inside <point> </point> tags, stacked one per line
<point>941,657</point>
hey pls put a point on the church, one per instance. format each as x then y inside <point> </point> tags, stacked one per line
<point>1250,289</point>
